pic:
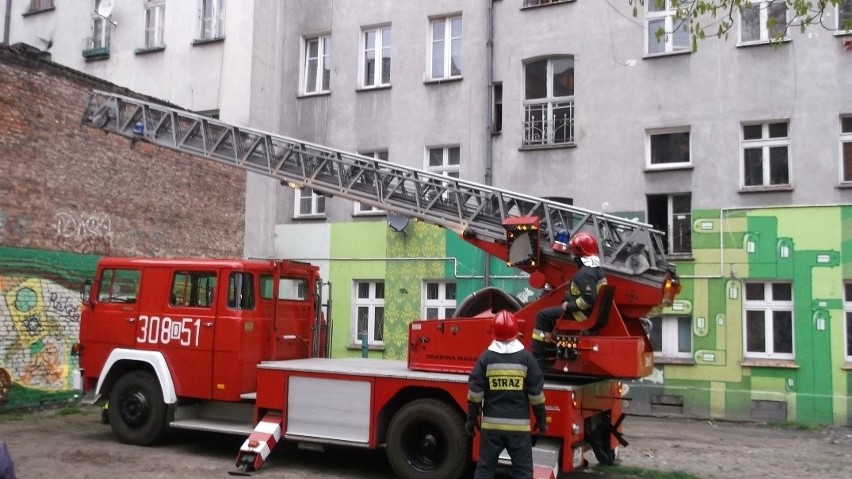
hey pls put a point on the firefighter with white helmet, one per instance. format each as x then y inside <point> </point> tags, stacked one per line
<point>579,297</point>
<point>509,381</point>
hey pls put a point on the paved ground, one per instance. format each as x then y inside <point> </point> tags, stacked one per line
<point>77,446</point>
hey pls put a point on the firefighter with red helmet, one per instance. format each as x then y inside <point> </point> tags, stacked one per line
<point>509,381</point>
<point>579,297</point>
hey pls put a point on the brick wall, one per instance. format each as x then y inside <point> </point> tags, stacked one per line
<point>70,194</point>
<point>67,187</point>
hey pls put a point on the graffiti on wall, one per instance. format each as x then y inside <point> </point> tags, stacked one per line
<point>84,233</point>
<point>39,319</point>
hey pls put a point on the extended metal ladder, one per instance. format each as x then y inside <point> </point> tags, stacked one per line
<point>628,247</point>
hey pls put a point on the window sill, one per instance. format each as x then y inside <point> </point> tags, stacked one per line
<point>37,11</point>
<point>680,256</point>
<point>683,361</point>
<point>765,189</point>
<point>310,217</point>
<point>548,4</point>
<point>842,33</point>
<point>843,186</point>
<point>761,43</point>
<point>847,366</point>
<point>372,88</point>
<point>145,51</point>
<point>205,41</point>
<point>652,56</point>
<point>372,347</point>
<point>94,54</point>
<point>769,363</point>
<point>547,147</point>
<point>313,94</point>
<point>673,167</point>
<point>438,81</point>
<point>370,214</point>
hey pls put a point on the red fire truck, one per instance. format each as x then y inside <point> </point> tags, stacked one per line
<point>240,346</point>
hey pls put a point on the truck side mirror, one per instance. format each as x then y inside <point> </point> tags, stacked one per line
<point>86,290</point>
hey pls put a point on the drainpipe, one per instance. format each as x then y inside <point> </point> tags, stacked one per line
<point>8,22</point>
<point>489,122</point>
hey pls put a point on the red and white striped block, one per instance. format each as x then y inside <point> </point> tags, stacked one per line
<point>261,441</point>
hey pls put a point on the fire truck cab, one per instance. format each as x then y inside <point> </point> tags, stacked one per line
<point>160,331</point>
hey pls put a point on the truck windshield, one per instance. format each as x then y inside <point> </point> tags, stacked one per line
<point>118,286</point>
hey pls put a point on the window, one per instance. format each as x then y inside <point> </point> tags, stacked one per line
<point>535,3</point>
<point>847,308</point>
<point>38,5</point>
<point>376,57</point>
<point>762,21</point>
<point>309,203</point>
<point>317,64</point>
<point>369,317</point>
<point>844,16</point>
<point>193,289</point>
<point>846,149</point>
<point>549,102</point>
<point>673,214</point>
<point>439,301</point>
<point>361,209</point>
<point>768,320</point>
<point>293,289</point>
<point>119,286</point>
<point>155,15</point>
<point>766,159</point>
<point>497,120</point>
<point>446,48</point>
<point>101,29</point>
<point>671,337</point>
<point>241,291</point>
<point>212,19</point>
<point>668,148</point>
<point>665,32</point>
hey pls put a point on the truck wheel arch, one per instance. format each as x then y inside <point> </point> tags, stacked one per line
<point>121,361</point>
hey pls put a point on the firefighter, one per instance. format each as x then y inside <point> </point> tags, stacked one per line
<point>579,297</point>
<point>509,381</point>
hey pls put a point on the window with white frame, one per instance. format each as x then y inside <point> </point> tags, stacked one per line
<point>155,16</point>
<point>549,101</point>
<point>211,18</point>
<point>446,54</point>
<point>101,29</point>
<point>376,57</point>
<point>762,21</point>
<point>847,309</point>
<point>846,149</point>
<point>664,31</point>
<point>439,299</point>
<point>362,209</point>
<point>768,321</point>
<point>766,154</point>
<point>369,315</point>
<point>673,214</point>
<point>309,203</point>
<point>844,16</point>
<point>671,337</point>
<point>317,67</point>
<point>444,161</point>
<point>667,148</point>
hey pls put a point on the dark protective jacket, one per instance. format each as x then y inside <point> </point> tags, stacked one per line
<point>583,290</point>
<point>508,380</point>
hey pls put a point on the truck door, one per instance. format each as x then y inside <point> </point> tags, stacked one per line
<point>294,311</point>
<point>113,316</point>
<point>184,330</point>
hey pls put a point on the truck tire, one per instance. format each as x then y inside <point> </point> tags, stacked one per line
<point>426,440</point>
<point>137,413</point>
<point>599,430</point>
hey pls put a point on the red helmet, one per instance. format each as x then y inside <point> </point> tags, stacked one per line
<point>584,244</point>
<point>504,327</point>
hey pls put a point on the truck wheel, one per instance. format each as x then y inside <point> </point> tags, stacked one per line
<point>599,430</point>
<point>137,413</point>
<point>426,440</point>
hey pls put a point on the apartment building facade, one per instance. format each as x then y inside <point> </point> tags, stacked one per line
<point>741,151</point>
